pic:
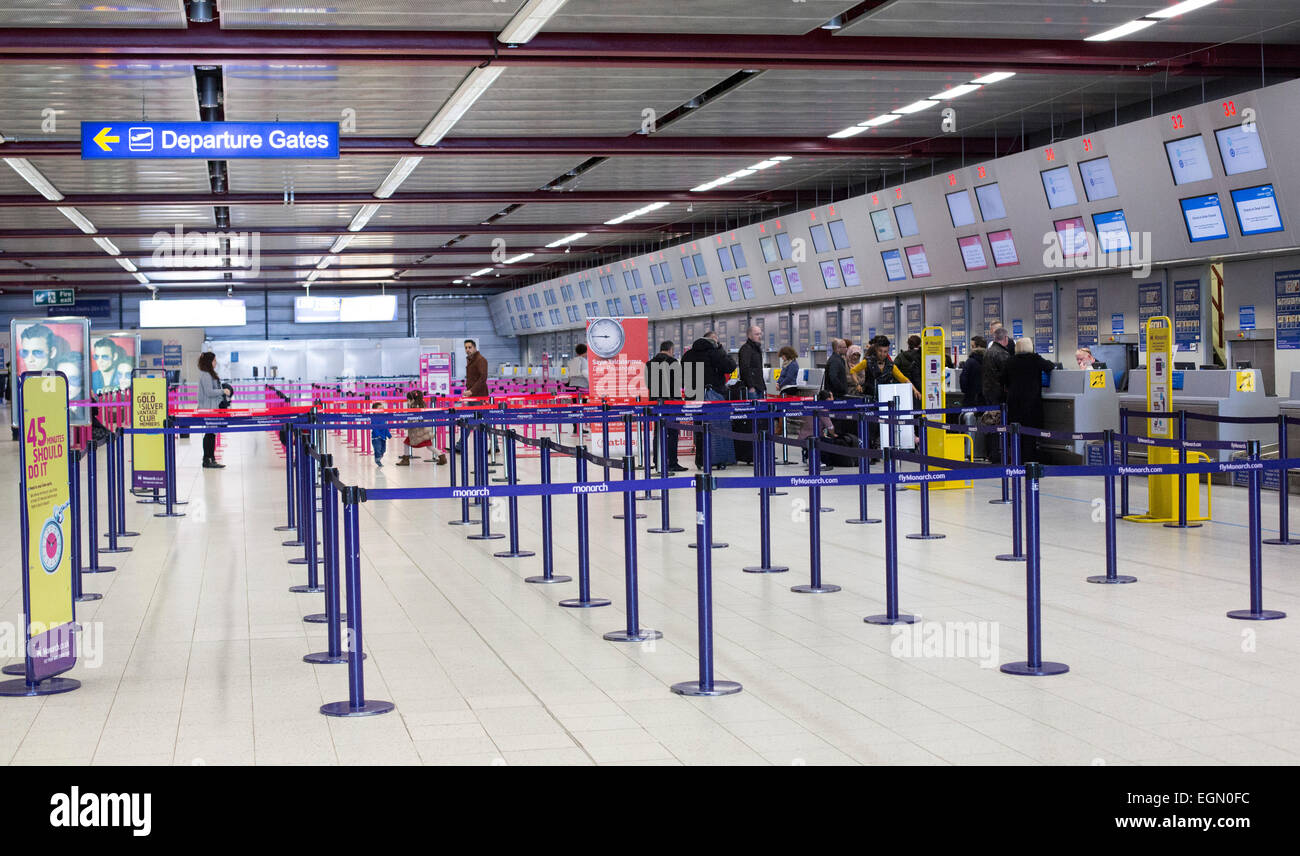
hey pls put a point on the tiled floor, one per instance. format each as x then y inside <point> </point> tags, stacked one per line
<point>202,643</point>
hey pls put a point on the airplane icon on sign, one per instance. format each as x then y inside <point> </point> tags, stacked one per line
<point>140,139</point>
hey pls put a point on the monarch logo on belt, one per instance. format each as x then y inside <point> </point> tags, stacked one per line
<point>471,491</point>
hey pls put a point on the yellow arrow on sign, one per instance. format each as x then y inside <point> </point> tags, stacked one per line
<point>103,139</point>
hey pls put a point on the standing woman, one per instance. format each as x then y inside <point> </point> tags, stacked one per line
<point>210,396</point>
<point>1023,373</point>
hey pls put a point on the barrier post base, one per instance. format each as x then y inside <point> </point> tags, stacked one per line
<point>293,543</point>
<point>639,515</point>
<point>719,688</point>
<point>1285,542</point>
<point>922,536</point>
<point>316,589</point>
<point>116,549</point>
<point>514,554</point>
<point>102,569</point>
<point>322,658</point>
<point>88,595</point>
<point>867,520</point>
<point>1006,557</point>
<point>760,569</point>
<point>1122,578</point>
<point>575,603</point>
<point>14,669</point>
<point>1024,667</point>
<point>901,618</point>
<point>999,502</point>
<point>321,618</point>
<point>558,578</point>
<point>285,528</point>
<point>1262,615</point>
<point>824,588</point>
<point>49,686</point>
<point>127,534</point>
<point>463,523</point>
<point>491,536</point>
<point>345,708</point>
<point>669,531</point>
<point>642,635</point>
<point>302,560</point>
<point>1182,526</point>
<point>717,545</point>
<point>169,514</point>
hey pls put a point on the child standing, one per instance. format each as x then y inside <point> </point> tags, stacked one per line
<point>379,437</point>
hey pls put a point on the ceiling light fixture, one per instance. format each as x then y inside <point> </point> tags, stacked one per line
<point>1122,30</point>
<point>474,85</point>
<point>994,77</point>
<point>341,243</point>
<point>877,121</point>
<point>956,92</point>
<point>518,258</point>
<point>78,219</point>
<point>35,178</point>
<point>363,217</point>
<point>567,239</point>
<point>834,23</point>
<point>848,132</point>
<point>530,18</point>
<point>107,246</point>
<point>126,264</point>
<point>404,167</point>
<point>481,271</point>
<point>623,218</point>
<point>143,279</point>
<point>916,106</point>
<point>1179,9</point>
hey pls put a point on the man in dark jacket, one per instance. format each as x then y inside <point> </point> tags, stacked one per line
<point>971,380</point>
<point>909,362</point>
<point>750,359</point>
<point>476,370</point>
<point>663,362</point>
<point>836,379</point>
<point>993,384</point>
<point>716,364</point>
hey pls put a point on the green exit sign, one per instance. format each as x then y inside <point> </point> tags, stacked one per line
<point>54,297</point>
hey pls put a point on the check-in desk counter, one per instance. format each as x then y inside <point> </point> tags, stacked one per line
<point>1214,392</point>
<point>1073,404</point>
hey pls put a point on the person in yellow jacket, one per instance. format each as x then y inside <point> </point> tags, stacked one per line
<point>879,368</point>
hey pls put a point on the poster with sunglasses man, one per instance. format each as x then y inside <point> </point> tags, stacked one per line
<point>113,358</point>
<point>54,344</point>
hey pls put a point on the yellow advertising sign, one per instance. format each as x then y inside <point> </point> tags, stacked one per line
<point>47,502</point>
<point>148,410</point>
<point>1160,364</point>
<point>1097,379</point>
<point>932,352</point>
<point>1246,381</point>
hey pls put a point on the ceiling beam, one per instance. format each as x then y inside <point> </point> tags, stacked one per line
<point>20,254</point>
<point>875,144</point>
<point>202,44</point>
<point>259,282</point>
<point>364,197</point>
<point>64,273</point>
<point>655,230</point>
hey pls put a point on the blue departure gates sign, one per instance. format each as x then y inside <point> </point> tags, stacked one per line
<point>209,140</point>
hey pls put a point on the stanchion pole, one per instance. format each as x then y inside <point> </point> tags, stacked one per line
<point>1112,575</point>
<point>1002,444</point>
<point>329,524</point>
<point>643,429</point>
<point>481,444</point>
<point>706,685</point>
<point>464,469</point>
<point>114,476</point>
<point>299,492</point>
<point>925,534</point>
<point>309,557</point>
<point>770,452</point>
<point>891,614</point>
<point>604,437</point>
<point>169,465</point>
<point>627,450</point>
<point>1283,490</point>
<point>1123,458</point>
<point>548,542</point>
<point>1017,536</point>
<point>633,631</point>
<point>512,502</point>
<point>706,458</point>
<point>357,704</point>
<point>764,565</point>
<point>665,522</point>
<point>1034,665</point>
<point>864,466</point>
<point>1182,477</point>
<point>79,594</point>
<point>815,585</point>
<point>1257,612</point>
<point>289,492</point>
<point>121,487</point>
<point>584,600</point>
